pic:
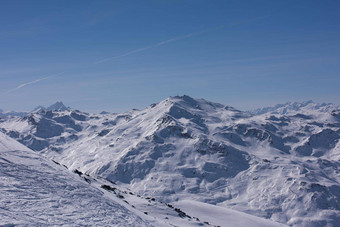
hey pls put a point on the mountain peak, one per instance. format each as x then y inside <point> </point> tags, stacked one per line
<point>187,101</point>
<point>38,109</point>
<point>59,106</point>
<point>292,107</point>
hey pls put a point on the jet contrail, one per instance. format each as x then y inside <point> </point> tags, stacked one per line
<point>32,82</point>
<point>155,45</point>
<point>175,39</point>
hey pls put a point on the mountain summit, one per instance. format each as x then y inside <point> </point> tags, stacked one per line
<point>58,106</point>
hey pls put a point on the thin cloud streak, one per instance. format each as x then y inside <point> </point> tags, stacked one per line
<point>155,45</point>
<point>165,42</point>
<point>33,82</point>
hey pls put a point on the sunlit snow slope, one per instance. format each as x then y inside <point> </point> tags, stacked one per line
<point>37,192</point>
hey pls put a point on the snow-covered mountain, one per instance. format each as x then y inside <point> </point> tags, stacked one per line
<point>296,107</point>
<point>58,106</point>
<point>280,163</point>
<point>37,192</point>
<point>4,114</point>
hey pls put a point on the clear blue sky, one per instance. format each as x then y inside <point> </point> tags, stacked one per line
<point>119,55</point>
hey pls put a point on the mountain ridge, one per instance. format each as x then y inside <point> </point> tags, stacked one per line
<point>291,107</point>
<point>276,109</point>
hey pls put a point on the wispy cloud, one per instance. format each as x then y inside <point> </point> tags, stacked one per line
<point>155,45</point>
<point>33,82</point>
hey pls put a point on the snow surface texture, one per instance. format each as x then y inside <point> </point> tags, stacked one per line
<point>280,163</point>
<point>230,217</point>
<point>38,192</point>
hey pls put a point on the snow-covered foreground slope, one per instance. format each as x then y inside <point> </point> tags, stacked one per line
<point>282,164</point>
<point>230,218</point>
<point>37,192</point>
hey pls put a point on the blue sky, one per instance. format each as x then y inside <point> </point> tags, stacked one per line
<point>119,55</point>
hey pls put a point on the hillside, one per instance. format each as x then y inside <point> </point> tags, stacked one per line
<point>39,192</point>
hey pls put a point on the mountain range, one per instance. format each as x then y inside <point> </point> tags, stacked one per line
<point>280,163</point>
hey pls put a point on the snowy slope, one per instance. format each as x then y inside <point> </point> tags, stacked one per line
<point>231,217</point>
<point>38,192</point>
<point>282,165</point>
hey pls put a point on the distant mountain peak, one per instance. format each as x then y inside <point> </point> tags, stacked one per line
<point>11,113</point>
<point>58,106</point>
<point>187,101</point>
<point>186,98</point>
<point>293,107</point>
<point>38,109</point>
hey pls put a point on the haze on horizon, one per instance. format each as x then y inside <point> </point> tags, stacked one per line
<point>119,55</point>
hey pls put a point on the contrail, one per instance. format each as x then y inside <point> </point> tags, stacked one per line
<point>155,45</point>
<point>165,42</point>
<point>32,82</point>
